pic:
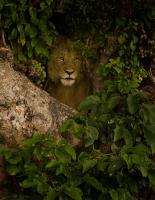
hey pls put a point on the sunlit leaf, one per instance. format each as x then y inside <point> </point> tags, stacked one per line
<point>74,192</point>
<point>89,102</point>
<point>88,164</point>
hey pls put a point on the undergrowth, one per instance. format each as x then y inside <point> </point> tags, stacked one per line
<point>115,158</point>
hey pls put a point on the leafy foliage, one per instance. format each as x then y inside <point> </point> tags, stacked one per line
<point>26,23</point>
<point>116,158</point>
<point>125,170</point>
<point>38,73</point>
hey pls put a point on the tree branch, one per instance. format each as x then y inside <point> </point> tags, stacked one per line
<point>25,108</point>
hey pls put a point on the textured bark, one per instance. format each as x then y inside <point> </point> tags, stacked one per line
<point>25,108</point>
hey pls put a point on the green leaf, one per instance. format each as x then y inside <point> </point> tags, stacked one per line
<point>21,56</point>
<point>132,46</point>
<point>32,32</point>
<point>49,2</point>
<point>88,164</point>
<point>51,164</point>
<point>89,102</point>
<point>123,133</point>
<point>121,39</point>
<point>104,118</point>
<point>14,33</point>
<point>69,149</point>
<point>15,16</point>
<point>74,192</point>
<point>62,155</point>
<point>133,184</point>
<point>42,187</point>
<point>28,183</point>
<point>12,156</point>
<point>13,169</point>
<point>51,194</point>
<point>67,124</point>
<point>113,102</point>
<point>34,42</point>
<point>20,28</point>
<point>103,164</point>
<point>47,38</point>
<point>38,153</point>
<point>151,175</point>
<point>22,39</point>
<point>149,134</point>
<point>62,169</point>
<point>72,127</point>
<point>115,165</point>
<point>139,158</point>
<point>83,156</point>
<point>140,149</point>
<point>93,182</point>
<point>127,158</point>
<point>148,112</point>
<point>132,103</point>
<point>43,5</point>
<point>120,194</point>
<point>41,50</point>
<point>30,167</point>
<point>144,171</point>
<point>91,134</point>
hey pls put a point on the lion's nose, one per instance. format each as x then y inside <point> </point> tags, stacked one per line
<point>69,72</point>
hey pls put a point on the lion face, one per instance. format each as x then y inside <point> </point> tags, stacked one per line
<point>65,63</point>
<point>68,80</point>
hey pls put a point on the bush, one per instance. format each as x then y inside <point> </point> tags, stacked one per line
<point>116,159</point>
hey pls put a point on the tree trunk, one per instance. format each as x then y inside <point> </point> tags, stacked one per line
<point>25,108</point>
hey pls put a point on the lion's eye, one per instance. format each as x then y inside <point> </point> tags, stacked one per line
<point>61,59</point>
<point>77,59</point>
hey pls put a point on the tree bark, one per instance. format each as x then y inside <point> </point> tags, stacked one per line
<point>25,108</point>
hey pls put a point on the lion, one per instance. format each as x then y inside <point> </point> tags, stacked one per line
<point>68,81</point>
